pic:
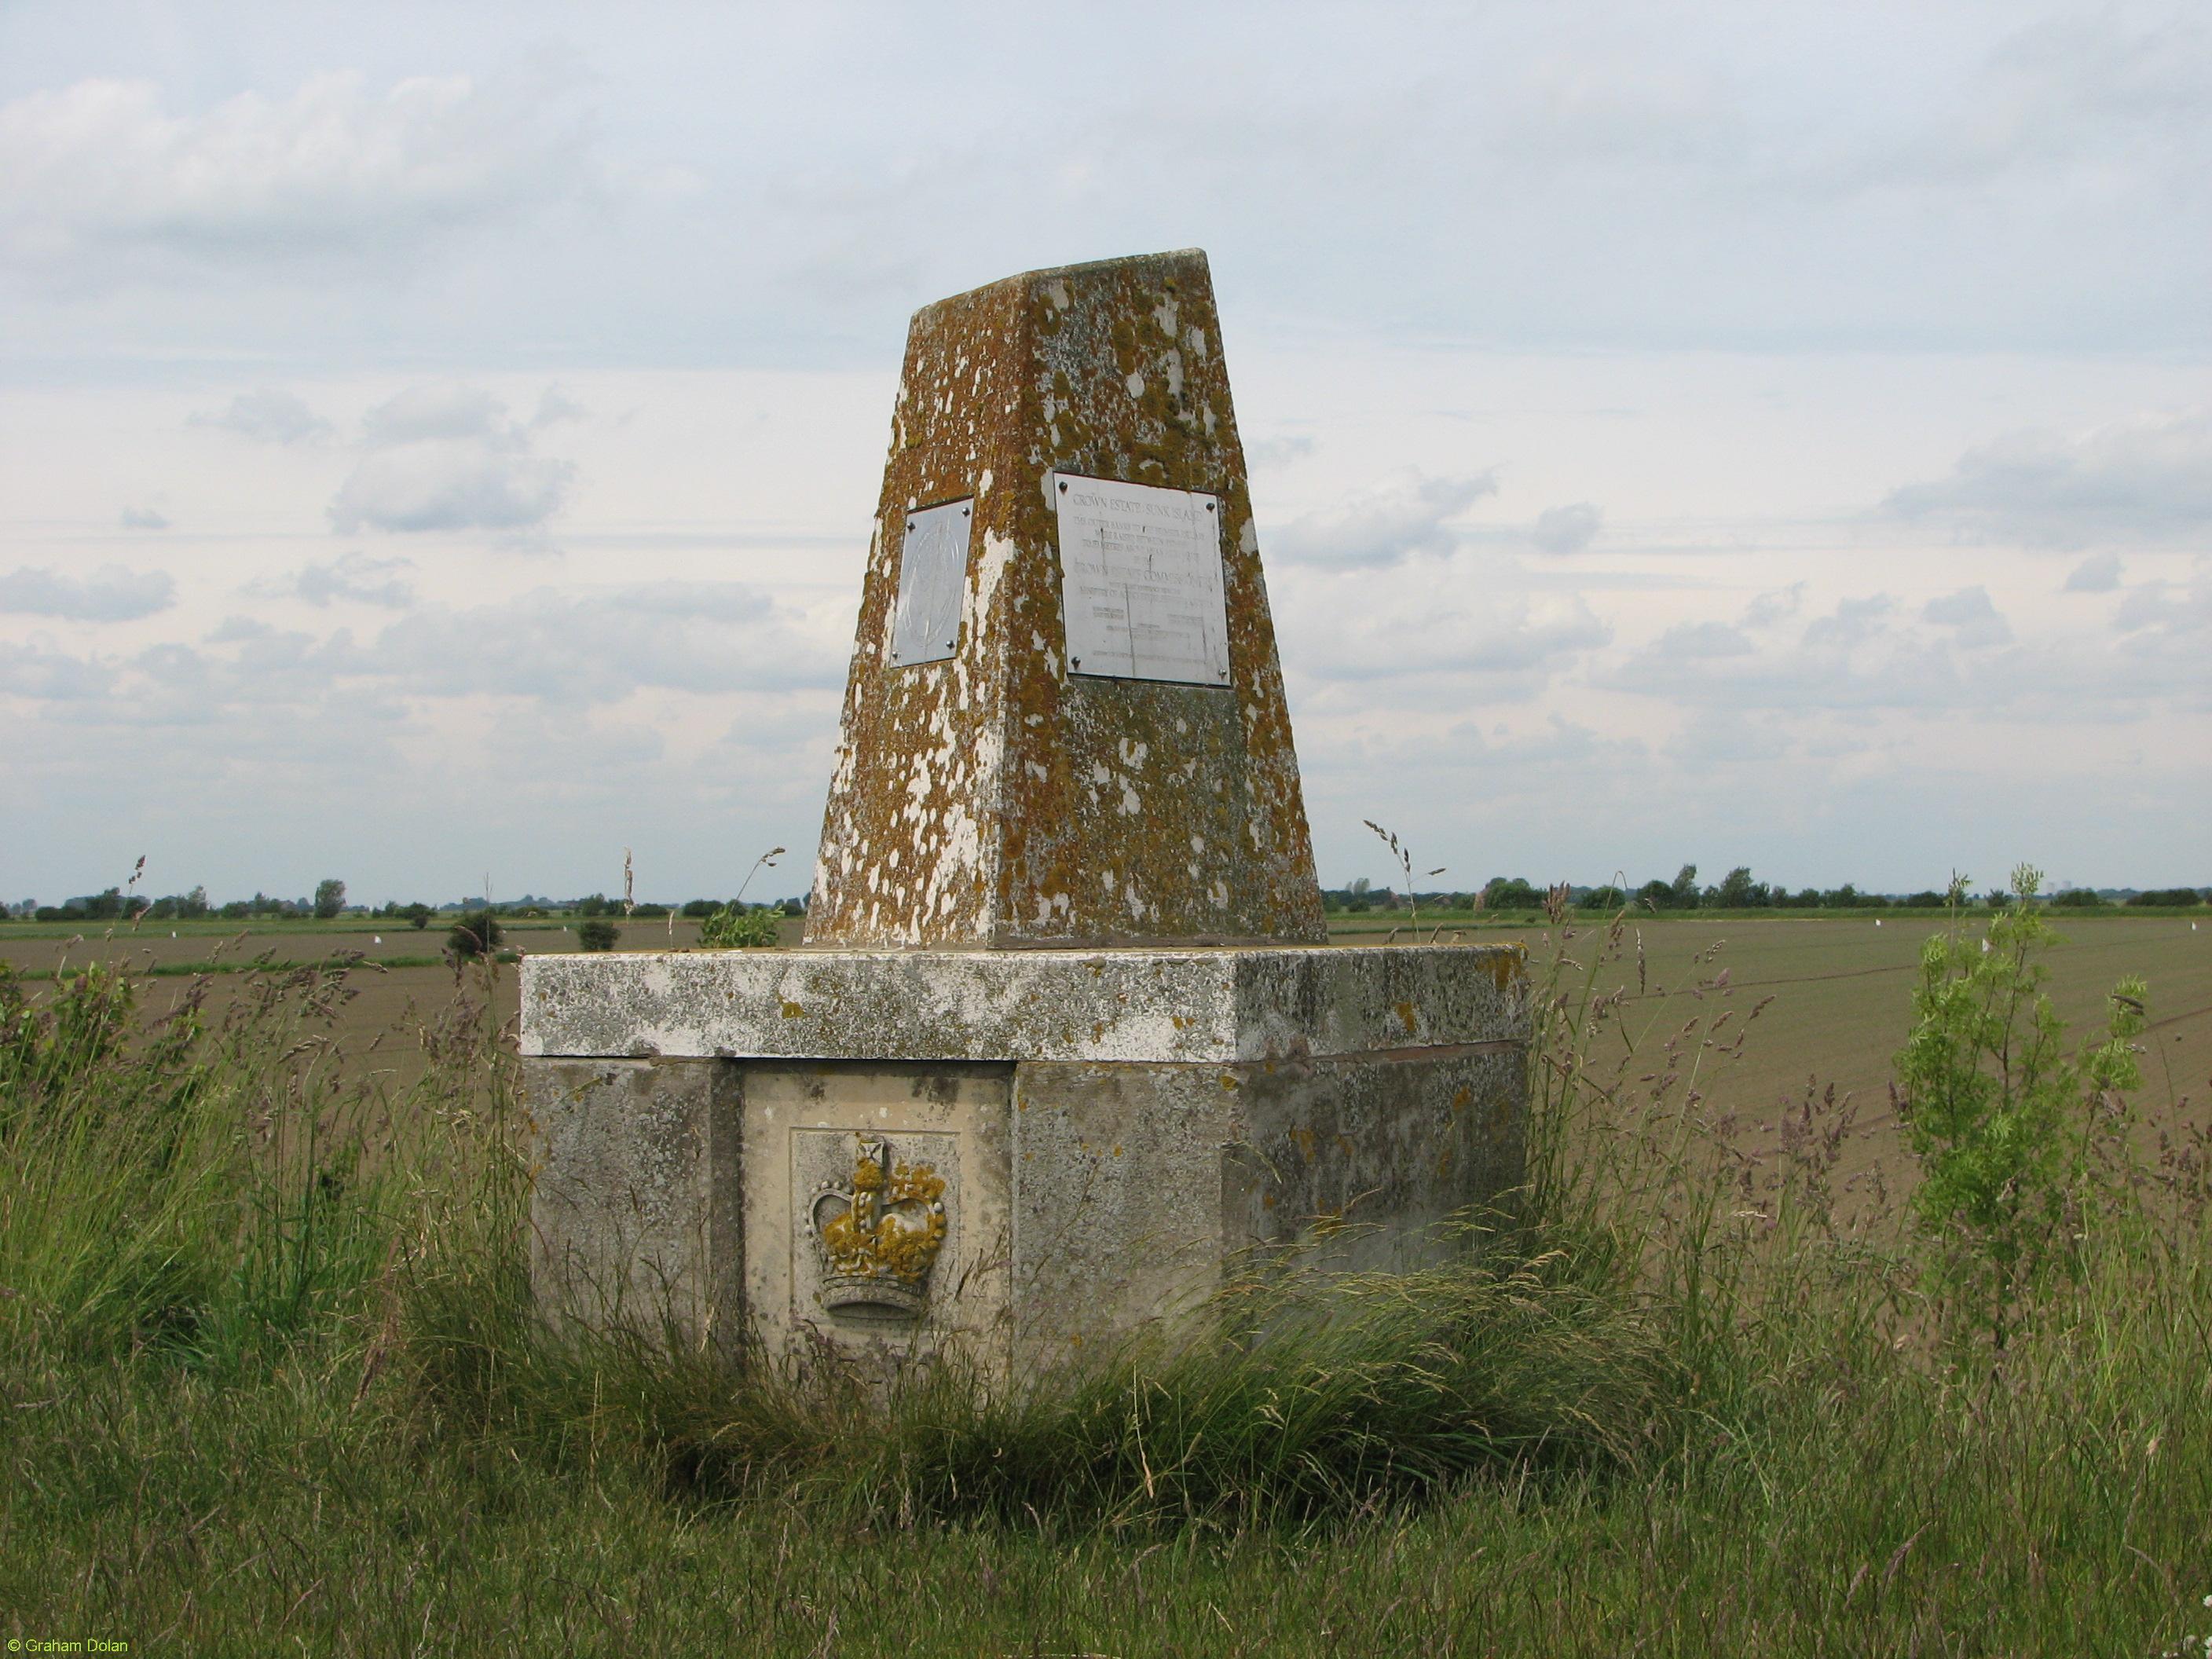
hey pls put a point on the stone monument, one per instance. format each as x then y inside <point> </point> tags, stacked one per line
<point>1065,1040</point>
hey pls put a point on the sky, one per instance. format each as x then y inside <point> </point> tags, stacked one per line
<point>438,444</point>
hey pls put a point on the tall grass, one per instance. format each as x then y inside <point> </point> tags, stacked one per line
<point>270,1377</point>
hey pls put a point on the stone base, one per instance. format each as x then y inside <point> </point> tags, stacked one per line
<point>1114,1133</point>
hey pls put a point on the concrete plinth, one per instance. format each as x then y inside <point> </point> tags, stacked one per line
<point>1027,1150</point>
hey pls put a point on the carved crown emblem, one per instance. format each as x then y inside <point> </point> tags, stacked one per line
<point>878,1234</point>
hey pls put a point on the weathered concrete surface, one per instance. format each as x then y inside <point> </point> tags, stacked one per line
<point>1083,1200</point>
<point>635,1196</point>
<point>1141,1189</point>
<point>995,798</point>
<point>1196,1006</point>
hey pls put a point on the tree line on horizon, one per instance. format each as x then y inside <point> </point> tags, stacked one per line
<point>329,902</point>
<point>1737,890</point>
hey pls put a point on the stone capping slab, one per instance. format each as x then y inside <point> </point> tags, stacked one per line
<point>1196,1006</point>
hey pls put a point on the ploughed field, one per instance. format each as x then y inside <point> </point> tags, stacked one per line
<point>1840,987</point>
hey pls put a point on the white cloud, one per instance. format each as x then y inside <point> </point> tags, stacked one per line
<point>1776,605</point>
<point>111,593</point>
<point>1867,656</point>
<point>1567,529</point>
<point>1971,616</point>
<point>598,645</point>
<point>268,415</point>
<point>1382,526</point>
<point>1853,623</point>
<point>561,650</point>
<point>2174,611</point>
<point>1502,645</point>
<point>2098,574</point>
<point>98,177</point>
<point>2146,479</point>
<point>448,458</point>
<point>357,577</point>
<point>1280,451</point>
<point>1706,639</point>
<point>47,675</point>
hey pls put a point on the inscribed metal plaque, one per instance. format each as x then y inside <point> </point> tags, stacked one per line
<point>932,579</point>
<point>1140,581</point>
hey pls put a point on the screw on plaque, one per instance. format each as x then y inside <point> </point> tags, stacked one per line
<point>1209,507</point>
<point>1063,488</point>
<point>1075,662</point>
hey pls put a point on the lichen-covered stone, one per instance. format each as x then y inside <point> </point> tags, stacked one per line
<point>992,798</point>
<point>1083,1005</point>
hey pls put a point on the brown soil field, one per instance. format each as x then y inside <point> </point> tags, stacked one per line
<point>1840,992</point>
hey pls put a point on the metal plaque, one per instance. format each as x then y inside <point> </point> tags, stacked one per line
<point>1140,581</point>
<point>933,580</point>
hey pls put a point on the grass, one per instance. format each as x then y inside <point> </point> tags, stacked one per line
<point>267,1379</point>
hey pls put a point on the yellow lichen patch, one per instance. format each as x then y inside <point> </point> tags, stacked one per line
<point>793,1011</point>
<point>1405,1013</point>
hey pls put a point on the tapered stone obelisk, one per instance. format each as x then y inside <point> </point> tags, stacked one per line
<point>1064,732</point>
<point>1065,721</point>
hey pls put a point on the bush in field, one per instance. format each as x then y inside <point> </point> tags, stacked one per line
<point>476,933</point>
<point>2180,896</point>
<point>2076,898</point>
<point>2005,1116</point>
<point>733,928</point>
<point>597,934</point>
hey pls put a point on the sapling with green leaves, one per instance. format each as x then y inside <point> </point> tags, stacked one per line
<point>2004,1118</point>
<point>734,927</point>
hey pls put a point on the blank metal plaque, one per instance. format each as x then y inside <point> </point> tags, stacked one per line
<point>933,580</point>
<point>1140,581</point>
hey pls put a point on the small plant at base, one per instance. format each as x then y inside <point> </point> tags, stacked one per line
<point>733,928</point>
<point>2001,1118</point>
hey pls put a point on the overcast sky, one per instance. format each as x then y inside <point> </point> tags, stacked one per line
<point>438,443</point>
